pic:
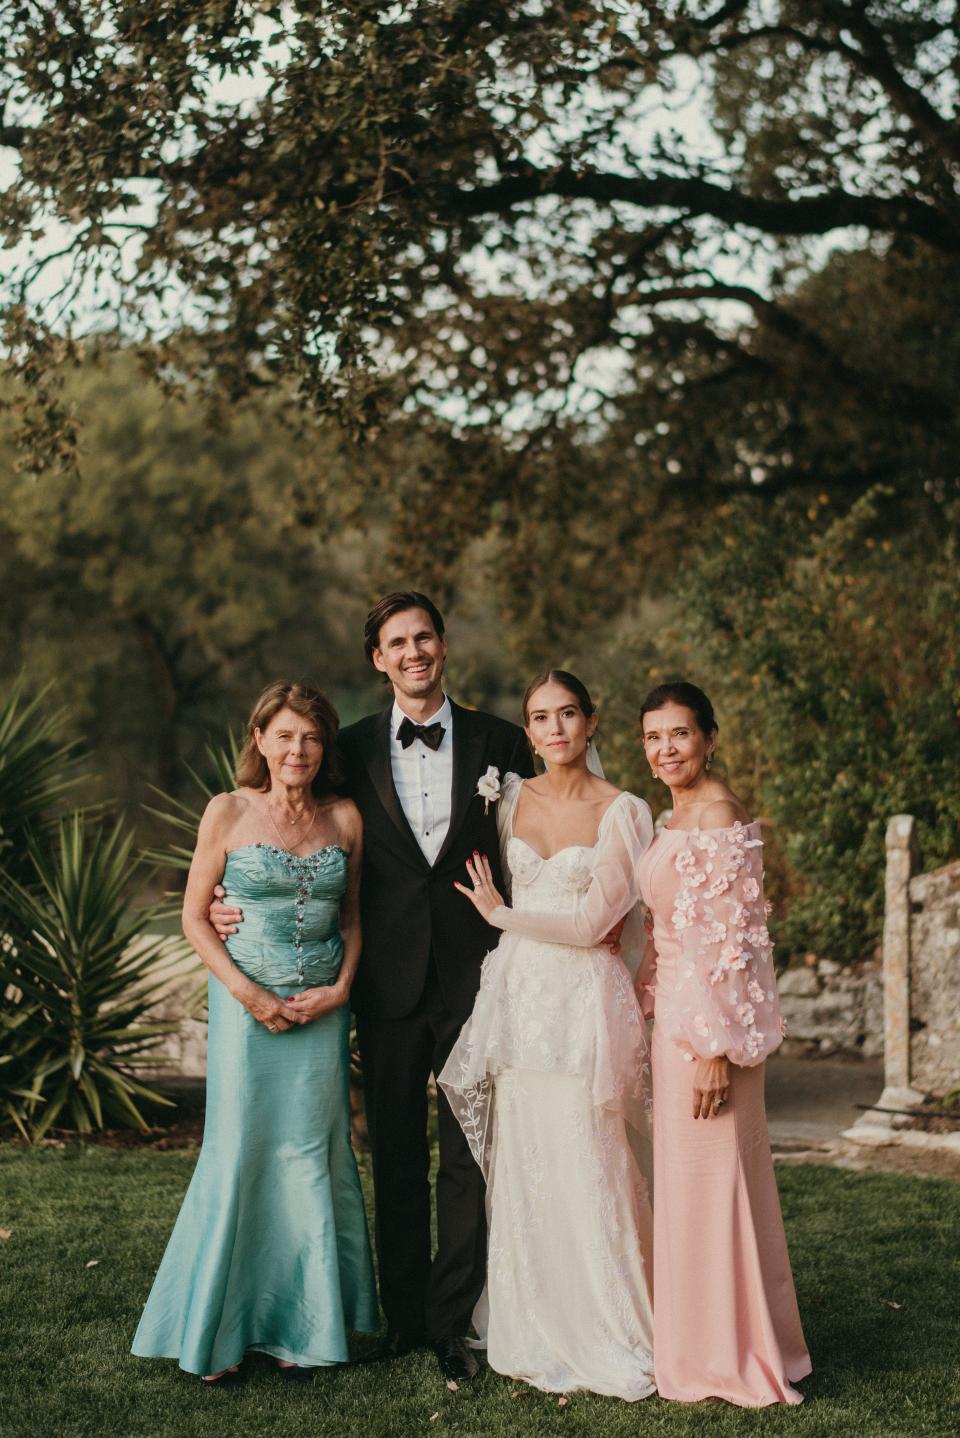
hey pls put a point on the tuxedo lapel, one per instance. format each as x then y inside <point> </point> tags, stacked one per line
<point>468,742</point>
<point>377,759</point>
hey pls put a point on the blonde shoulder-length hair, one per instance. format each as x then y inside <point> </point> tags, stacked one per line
<point>252,771</point>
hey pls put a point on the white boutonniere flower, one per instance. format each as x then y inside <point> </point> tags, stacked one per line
<point>488,787</point>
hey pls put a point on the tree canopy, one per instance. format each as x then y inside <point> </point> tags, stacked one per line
<point>646,315</point>
<point>179,572</point>
<point>486,212</point>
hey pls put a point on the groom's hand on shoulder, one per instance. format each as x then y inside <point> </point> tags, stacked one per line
<point>223,917</point>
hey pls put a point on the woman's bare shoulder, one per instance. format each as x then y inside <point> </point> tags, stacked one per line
<point>344,814</point>
<point>603,789</point>
<point>722,813</point>
<point>225,811</point>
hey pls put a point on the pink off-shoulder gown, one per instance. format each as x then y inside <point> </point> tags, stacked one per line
<point>726,1319</point>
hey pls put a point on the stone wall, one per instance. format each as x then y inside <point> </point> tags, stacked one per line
<point>838,1009</point>
<point>935,980</point>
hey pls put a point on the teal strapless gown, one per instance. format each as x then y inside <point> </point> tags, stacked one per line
<point>270,1250</point>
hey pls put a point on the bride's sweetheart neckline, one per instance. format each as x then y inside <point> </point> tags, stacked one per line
<point>515,838</point>
<point>567,848</point>
<point>276,849</point>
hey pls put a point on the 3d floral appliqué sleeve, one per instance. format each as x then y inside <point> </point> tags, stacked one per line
<point>725,1002</point>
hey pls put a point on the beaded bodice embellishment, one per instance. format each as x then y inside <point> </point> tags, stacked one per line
<point>291,912</point>
<point>303,870</point>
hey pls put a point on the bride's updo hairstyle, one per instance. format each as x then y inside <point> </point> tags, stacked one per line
<point>690,697</point>
<point>569,681</point>
<point>252,771</point>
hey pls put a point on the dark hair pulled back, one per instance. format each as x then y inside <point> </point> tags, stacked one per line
<point>692,698</point>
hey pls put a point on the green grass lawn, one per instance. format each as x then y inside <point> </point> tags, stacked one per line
<point>876,1258</point>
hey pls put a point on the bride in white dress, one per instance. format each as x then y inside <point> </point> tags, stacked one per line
<point>549,1075</point>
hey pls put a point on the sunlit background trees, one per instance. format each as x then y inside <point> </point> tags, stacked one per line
<point>628,331</point>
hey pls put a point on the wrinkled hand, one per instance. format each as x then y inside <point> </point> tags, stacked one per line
<point>612,940</point>
<point>711,1087</point>
<point>483,895</point>
<point>223,918</point>
<point>304,1007</point>
<point>266,1008</point>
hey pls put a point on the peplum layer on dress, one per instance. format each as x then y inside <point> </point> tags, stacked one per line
<point>270,1249</point>
<point>727,1324</point>
<point>548,1080</point>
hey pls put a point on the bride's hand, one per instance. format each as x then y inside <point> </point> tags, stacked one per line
<point>483,896</point>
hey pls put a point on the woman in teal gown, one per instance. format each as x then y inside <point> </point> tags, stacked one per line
<point>270,1251</point>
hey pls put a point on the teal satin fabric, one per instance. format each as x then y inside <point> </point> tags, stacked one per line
<point>270,1250</point>
<point>279,941</point>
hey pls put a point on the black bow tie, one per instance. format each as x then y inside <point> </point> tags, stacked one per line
<point>431,734</point>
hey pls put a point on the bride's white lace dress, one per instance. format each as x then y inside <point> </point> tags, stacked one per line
<point>549,1081</point>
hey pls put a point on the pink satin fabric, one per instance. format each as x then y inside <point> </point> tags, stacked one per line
<point>725,1311</point>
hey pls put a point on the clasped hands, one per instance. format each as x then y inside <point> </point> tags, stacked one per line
<point>276,1014</point>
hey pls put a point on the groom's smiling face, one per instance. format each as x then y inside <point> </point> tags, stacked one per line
<point>411,654</point>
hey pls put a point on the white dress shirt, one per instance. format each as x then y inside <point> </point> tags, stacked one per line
<point>423,779</point>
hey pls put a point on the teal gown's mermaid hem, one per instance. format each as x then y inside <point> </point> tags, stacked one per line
<point>270,1251</point>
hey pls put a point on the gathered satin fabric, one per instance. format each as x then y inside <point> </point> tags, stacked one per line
<point>270,1249</point>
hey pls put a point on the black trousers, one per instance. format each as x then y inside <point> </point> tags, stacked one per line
<point>398,1057</point>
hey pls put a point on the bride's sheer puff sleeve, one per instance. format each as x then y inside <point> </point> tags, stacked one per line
<point>725,1002</point>
<point>626,830</point>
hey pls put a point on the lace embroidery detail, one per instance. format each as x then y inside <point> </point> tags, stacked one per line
<point>551,1008</point>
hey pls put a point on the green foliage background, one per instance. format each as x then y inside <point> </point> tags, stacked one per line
<point>646,315</point>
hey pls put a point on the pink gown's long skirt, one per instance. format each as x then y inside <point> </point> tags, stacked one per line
<point>725,1312</point>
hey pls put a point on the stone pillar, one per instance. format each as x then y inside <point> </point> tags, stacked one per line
<point>877,1127</point>
<point>901,866</point>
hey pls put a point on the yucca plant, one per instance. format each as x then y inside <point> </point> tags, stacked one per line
<point>79,982</point>
<point>183,815</point>
<point>39,770</point>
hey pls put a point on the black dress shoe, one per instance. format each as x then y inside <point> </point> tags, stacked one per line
<point>457,1361</point>
<point>397,1343</point>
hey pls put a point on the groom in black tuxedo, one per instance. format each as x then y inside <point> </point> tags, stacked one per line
<point>412,771</point>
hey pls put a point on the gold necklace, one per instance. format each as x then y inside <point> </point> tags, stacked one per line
<point>294,823</point>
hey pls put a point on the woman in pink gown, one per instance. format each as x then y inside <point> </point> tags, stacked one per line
<point>725,1311</point>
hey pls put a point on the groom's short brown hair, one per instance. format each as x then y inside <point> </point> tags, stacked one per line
<point>396,603</point>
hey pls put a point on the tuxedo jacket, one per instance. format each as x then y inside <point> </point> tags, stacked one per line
<point>409,908</point>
